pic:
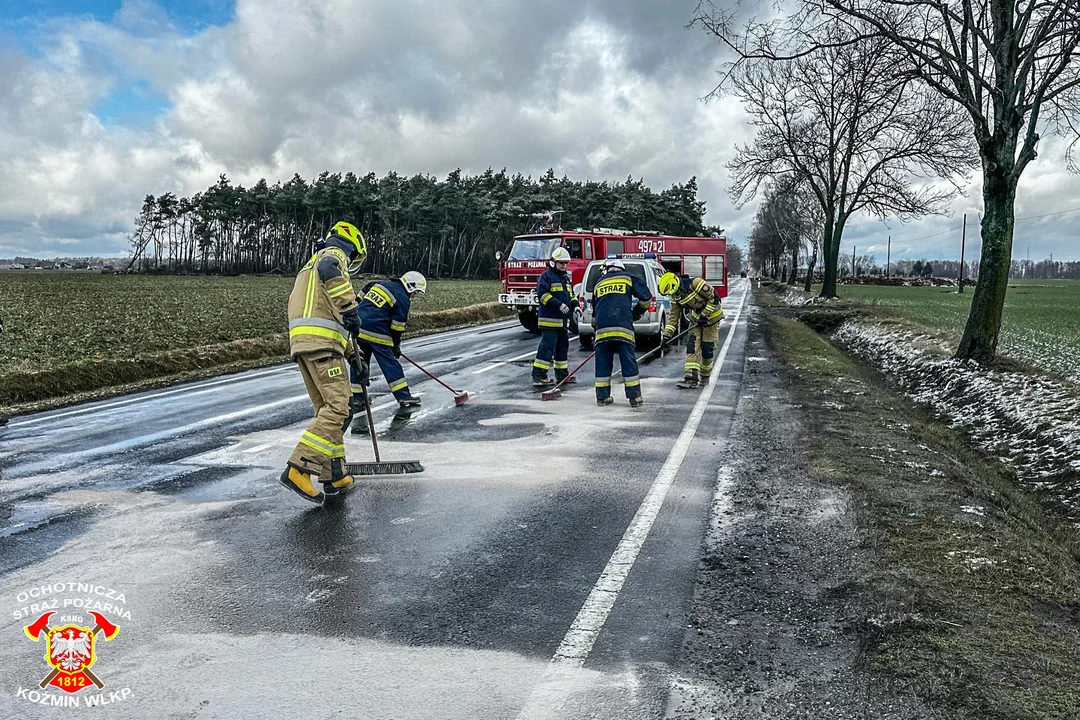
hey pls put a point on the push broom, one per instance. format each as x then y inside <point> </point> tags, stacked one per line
<point>460,396</point>
<point>556,392</point>
<point>380,466</point>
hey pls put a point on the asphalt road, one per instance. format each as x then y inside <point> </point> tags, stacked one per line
<point>539,567</point>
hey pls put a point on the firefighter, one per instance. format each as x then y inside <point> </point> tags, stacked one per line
<point>619,299</point>
<point>384,310</point>
<point>702,304</point>
<point>557,305</point>
<point>322,317</point>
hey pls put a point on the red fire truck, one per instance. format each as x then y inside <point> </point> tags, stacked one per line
<point>693,256</point>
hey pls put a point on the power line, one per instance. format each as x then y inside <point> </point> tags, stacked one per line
<point>1027,217</point>
<point>1034,217</point>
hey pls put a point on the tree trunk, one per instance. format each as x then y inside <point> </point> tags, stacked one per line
<point>794,277</point>
<point>981,333</point>
<point>830,243</point>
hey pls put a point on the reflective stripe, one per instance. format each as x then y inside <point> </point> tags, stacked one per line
<point>692,366</point>
<point>399,385</point>
<point>309,299</point>
<point>549,323</point>
<point>614,334</point>
<point>545,298</point>
<point>559,287</point>
<point>603,382</point>
<point>631,382</point>
<point>319,327</point>
<point>340,290</point>
<point>397,327</point>
<point>541,364</point>
<point>561,365</point>
<point>321,444</point>
<point>357,389</point>
<point>317,332</point>
<point>376,338</point>
<point>381,292</point>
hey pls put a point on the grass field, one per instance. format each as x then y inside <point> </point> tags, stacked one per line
<point>1041,325</point>
<point>72,333</point>
<point>53,318</point>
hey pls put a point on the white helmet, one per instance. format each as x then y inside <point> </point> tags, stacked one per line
<point>560,255</point>
<point>613,264</point>
<point>414,282</point>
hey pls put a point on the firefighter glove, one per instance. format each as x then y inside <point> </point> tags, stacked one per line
<point>351,321</point>
<point>397,351</point>
<point>638,311</point>
<point>564,309</point>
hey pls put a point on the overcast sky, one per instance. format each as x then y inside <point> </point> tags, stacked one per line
<point>102,102</point>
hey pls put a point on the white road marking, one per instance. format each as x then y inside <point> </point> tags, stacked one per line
<point>579,640</point>
<point>496,363</point>
<point>190,389</point>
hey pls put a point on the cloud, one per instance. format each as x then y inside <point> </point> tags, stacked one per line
<point>598,90</point>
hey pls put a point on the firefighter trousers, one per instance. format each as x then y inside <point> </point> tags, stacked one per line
<point>605,362</point>
<point>554,345</point>
<point>326,377</point>
<point>391,368</point>
<point>700,350</point>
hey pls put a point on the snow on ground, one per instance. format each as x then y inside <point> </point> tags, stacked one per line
<point>1030,422</point>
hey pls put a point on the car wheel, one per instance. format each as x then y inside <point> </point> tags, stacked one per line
<point>530,321</point>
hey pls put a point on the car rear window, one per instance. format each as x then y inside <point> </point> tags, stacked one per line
<point>635,269</point>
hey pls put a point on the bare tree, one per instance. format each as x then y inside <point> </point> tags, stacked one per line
<point>856,132</point>
<point>1010,65</point>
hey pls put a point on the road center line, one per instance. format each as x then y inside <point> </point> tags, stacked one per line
<point>579,640</point>
<point>496,363</point>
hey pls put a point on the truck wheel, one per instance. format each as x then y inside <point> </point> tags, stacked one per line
<point>529,321</point>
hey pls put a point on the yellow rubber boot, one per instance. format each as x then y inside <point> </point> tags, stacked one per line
<point>300,483</point>
<point>339,479</point>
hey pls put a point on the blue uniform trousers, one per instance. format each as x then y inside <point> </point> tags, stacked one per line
<point>391,369</point>
<point>605,360</point>
<point>554,344</point>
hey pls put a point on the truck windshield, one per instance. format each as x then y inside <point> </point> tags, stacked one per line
<point>634,269</point>
<point>534,249</point>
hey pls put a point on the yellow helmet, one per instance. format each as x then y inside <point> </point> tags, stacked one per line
<point>669,283</point>
<point>350,233</point>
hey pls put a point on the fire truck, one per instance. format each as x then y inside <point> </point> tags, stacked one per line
<point>528,258</point>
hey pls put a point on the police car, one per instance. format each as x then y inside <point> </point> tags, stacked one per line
<point>650,327</point>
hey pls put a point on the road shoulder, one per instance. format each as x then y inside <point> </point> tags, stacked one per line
<point>864,562</point>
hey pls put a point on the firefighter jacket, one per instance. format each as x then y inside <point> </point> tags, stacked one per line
<point>322,305</point>
<point>384,310</point>
<point>699,299</point>
<point>614,298</point>
<point>552,290</point>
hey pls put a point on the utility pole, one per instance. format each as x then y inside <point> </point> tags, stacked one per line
<point>852,261</point>
<point>888,258</point>
<point>963,238</point>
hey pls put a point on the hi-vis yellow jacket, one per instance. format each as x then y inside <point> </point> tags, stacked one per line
<point>320,298</point>
<point>700,299</point>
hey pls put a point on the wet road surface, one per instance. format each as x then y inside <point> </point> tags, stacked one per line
<point>539,567</point>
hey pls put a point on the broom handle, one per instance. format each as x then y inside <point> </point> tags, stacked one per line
<point>570,375</point>
<point>367,404</point>
<point>661,345</point>
<point>424,370</point>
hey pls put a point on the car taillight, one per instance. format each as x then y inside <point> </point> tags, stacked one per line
<point>581,302</point>
<point>652,304</point>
